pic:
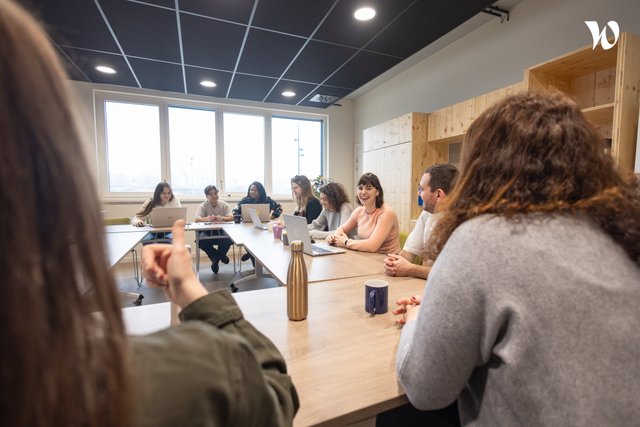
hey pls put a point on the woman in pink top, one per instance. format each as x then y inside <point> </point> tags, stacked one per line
<point>377,223</point>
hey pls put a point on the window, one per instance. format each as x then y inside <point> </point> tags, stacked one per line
<point>192,142</point>
<point>243,151</point>
<point>297,150</point>
<point>143,140</point>
<point>132,146</point>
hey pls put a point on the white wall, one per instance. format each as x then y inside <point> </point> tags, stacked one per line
<point>339,144</point>
<point>493,56</point>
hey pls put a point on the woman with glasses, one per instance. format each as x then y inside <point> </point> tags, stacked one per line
<point>377,223</point>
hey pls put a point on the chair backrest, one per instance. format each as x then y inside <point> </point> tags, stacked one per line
<point>123,220</point>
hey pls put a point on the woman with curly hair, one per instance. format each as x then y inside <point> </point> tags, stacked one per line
<point>335,211</point>
<point>530,315</point>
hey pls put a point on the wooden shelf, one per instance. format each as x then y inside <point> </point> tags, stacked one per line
<point>600,113</point>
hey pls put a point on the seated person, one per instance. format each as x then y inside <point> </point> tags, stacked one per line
<point>307,205</point>
<point>210,211</point>
<point>336,210</point>
<point>377,223</point>
<point>163,197</point>
<point>68,360</point>
<point>434,186</point>
<point>531,312</point>
<point>256,194</point>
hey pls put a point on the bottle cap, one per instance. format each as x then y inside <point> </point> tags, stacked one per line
<point>297,246</point>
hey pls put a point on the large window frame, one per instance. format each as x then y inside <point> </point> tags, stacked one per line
<point>101,97</point>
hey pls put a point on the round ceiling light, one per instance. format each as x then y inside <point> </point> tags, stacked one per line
<point>208,83</point>
<point>288,93</point>
<point>364,14</point>
<point>105,69</point>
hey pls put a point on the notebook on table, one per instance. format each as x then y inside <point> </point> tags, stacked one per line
<point>263,210</point>
<point>165,217</point>
<point>297,230</point>
<point>257,223</point>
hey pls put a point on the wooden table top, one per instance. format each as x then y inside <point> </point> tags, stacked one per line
<point>275,257</point>
<point>341,359</point>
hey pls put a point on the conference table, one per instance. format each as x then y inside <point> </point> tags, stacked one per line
<point>272,255</point>
<point>341,359</point>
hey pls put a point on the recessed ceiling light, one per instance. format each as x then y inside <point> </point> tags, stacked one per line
<point>208,83</point>
<point>105,69</point>
<point>288,93</point>
<point>364,14</point>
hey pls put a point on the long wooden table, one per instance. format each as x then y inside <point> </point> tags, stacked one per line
<point>274,256</point>
<point>341,359</point>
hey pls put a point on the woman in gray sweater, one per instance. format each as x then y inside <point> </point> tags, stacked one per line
<point>530,314</point>
<point>335,211</point>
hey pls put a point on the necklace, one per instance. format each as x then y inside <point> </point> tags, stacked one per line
<point>369,213</point>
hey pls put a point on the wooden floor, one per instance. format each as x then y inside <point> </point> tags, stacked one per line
<point>129,288</point>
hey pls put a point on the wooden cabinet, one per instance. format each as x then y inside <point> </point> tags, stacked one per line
<point>396,151</point>
<point>448,125</point>
<point>604,83</point>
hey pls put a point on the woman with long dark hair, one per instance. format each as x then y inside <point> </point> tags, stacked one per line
<point>66,358</point>
<point>163,197</point>
<point>256,194</point>
<point>307,205</point>
<point>376,222</point>
<point>530,315</point>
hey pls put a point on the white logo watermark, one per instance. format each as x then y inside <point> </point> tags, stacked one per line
<point>601,36</point>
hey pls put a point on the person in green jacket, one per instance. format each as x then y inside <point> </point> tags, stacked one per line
<point>66,359</point>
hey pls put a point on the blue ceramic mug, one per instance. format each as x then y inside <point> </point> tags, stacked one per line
<point>376,296</point>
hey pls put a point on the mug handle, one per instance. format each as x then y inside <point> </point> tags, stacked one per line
<point>372,301</point>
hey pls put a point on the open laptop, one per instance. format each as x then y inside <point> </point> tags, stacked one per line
<point>165,217</point>
<point>263,210</point>
<point>257,223</point>
<point>297,230</point>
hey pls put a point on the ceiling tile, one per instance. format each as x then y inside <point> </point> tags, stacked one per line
<point>364,67</point>
<point>80,26</point>
<point>234,10</point>
<point>300,89</point>
<point>291,16</point>
<point>86,62</point>
<point>342,28</point>
<point>209,43</point>
<point>268,54</point>
<point>158,75</point>
<point>317,61</point>
<point>250,87</point>
<point>144,31</point>
<point>195,75</point>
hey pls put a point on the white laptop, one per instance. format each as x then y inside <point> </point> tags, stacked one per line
<point>263,210</point>
<point>165,217</point>
<point>297,230</point>
<point>256,219</point>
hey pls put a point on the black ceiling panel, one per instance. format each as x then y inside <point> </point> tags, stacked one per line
<point>340,27</point>
<point>229,10</point>
<point>81,26</point>
<point>317,61</point>
<point>365,66</point>
<point>158,75</point>
<point>258,58</point>
<point>144,31</point>
<point>210,43</point>
<point>195,75</point>
<point>300,89</point>
<point>291,16</point>
<point>87,62</point>
<point>244,45</point>
<point>424,19</point>
<point>252,88</point>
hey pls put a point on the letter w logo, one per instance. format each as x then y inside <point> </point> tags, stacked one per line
<point>602,36</point>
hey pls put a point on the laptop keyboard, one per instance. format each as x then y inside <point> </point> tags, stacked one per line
<point>321,250</point>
